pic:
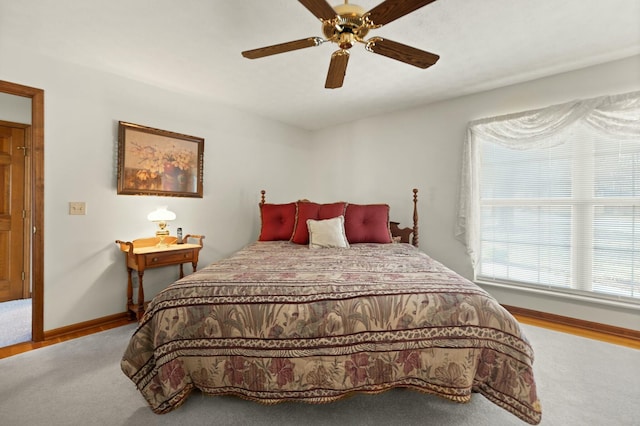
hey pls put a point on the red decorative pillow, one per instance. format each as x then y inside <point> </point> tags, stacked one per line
<point>277,221</point>
<point>367,223</point>
<point>308,210</point>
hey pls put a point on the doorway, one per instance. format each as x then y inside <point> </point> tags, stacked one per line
<point>34,162</point>
<point>15,238</point>
<point>15,143</point>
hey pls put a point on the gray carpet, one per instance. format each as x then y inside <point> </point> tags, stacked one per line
<point>79,382</point>
<point>15,322</point>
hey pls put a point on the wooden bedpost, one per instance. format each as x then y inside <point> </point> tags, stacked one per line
<point>415,240</point>
<point>262,199</point>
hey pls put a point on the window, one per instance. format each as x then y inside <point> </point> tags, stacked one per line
<point>551,198</point>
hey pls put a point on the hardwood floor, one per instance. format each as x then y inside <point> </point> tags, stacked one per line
<point>590,334</point>
<point>28,346</point>
<point>605,337</point>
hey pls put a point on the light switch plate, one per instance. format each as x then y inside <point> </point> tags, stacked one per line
<point>77,207</point>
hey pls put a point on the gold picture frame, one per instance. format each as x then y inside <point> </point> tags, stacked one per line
<point>159,162</point>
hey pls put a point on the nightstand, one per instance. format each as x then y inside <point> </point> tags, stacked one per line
<point>145,253</point>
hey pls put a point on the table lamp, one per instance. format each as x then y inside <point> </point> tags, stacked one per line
<point>161,215</point>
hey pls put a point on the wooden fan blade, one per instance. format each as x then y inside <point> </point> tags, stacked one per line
<point>337,69</point>
<point>390,10</point>
<point>320,8</point>
<point>282,47</point>
<point>402,52</point>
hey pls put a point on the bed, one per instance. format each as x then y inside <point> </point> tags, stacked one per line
<point>317,316</point>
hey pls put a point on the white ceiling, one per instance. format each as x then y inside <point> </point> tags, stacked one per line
<point>193,46</point>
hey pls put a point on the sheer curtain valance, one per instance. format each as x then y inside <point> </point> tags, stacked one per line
<point>617,115</point>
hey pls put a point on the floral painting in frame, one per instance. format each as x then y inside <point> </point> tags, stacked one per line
<point>158,162</point>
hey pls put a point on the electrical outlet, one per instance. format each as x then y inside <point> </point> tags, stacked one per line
<point>77,207</point>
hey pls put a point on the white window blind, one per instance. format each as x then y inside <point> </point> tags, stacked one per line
<point>552,200</point>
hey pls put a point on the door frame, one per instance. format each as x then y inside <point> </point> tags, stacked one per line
<point>36,166</point>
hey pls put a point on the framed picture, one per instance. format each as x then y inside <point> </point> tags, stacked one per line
<point>158,162</point>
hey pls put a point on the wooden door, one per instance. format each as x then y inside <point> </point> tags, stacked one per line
<point>13,211</point>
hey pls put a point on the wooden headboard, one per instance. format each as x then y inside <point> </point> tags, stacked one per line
<point>406,235</point>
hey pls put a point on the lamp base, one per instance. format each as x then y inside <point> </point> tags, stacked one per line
<point>162,234</point>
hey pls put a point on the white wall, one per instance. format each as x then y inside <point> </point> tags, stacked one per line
<point>84,271</point>
<point>382,158</point>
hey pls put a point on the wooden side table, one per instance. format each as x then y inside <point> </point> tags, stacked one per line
<point>145,253</point>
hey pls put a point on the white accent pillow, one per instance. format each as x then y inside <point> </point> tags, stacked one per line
<point>327,233</point>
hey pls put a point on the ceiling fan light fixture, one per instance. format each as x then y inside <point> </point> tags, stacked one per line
<point>347,40</point>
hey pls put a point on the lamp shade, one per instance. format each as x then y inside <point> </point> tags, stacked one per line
<point>161,214</point>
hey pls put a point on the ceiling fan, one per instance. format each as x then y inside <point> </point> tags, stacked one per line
<point>346,24</point>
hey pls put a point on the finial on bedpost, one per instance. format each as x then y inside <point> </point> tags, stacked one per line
<point>262,200</point>
<point>415,239</point>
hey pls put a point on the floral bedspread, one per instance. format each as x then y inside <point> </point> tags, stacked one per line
<point>280,322</point>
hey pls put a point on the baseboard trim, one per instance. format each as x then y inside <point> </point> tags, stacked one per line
<point>606,329</point>
<point>107,322</point>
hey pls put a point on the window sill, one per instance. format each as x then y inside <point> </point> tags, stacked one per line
<point>562,294</point>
